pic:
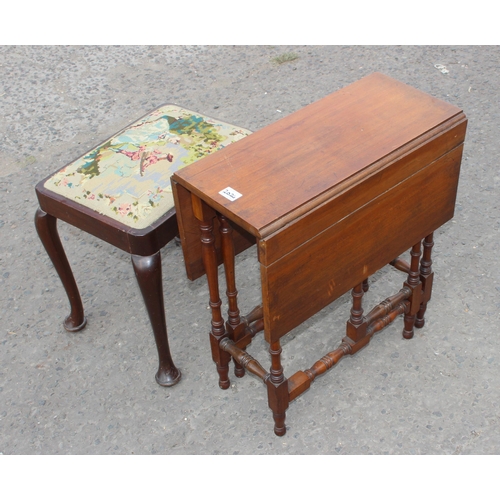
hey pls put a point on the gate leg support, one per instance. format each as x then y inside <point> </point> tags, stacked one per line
<point>234,319</point>
<point>426,277</point>
<point>413,282</point>
<point>277,390</point>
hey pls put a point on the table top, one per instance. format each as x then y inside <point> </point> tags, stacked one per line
<point>274,175</point>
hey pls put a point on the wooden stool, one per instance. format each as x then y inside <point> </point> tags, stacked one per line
<point>331,194</point>
<point>120,192</point>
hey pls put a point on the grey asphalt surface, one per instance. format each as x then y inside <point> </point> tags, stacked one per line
<point>94,392</point>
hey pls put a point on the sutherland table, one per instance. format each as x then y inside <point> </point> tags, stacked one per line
<point>329,194</point>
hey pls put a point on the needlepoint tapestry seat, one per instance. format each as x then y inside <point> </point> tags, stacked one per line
<point>120,192</point>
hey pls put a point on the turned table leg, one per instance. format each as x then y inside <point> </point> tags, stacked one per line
<point>277,390</point>
<point>356,325</point>
<point>413,282</point>
<point>220,357</point>
<point>234,319</point>
<point>46,226</point>
<point>148,273</point>
<point>426,276</point>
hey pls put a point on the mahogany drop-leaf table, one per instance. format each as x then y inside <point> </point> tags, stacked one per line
<point>330,194</point>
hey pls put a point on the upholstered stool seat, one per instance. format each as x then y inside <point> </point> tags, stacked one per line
<point>120,192</point>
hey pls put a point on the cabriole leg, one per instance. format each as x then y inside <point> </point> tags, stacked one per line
<point>148,273</point>
<point>46,226</point>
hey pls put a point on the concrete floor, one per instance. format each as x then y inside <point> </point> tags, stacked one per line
<point>94,392</point>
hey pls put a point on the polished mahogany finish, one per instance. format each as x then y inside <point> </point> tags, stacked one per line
<point>119,192</point>
<point>330,194</point>
<point>144,246</point>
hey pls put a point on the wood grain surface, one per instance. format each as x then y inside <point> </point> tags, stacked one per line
<point>293,161</point>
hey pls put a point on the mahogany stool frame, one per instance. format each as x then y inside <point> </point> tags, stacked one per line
<point>144,247</point>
